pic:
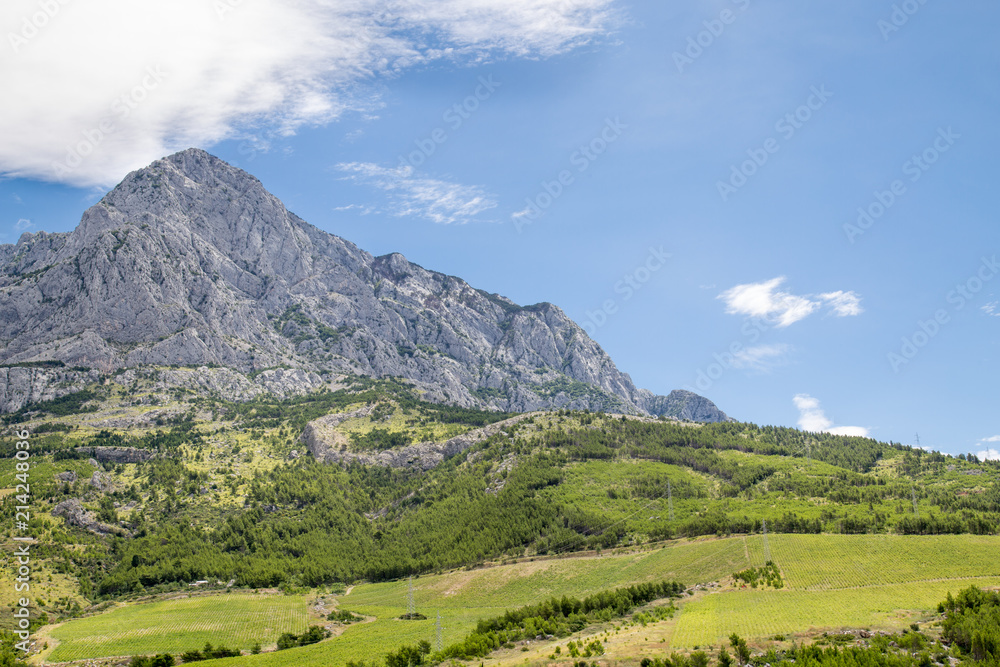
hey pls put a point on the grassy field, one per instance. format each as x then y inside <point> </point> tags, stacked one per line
<point>858,581</point>
<point>461,597</point>
<point>760,614</point>
<point>831,582</point>
<point>236,620</point>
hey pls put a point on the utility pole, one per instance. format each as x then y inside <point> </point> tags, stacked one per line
<point>767,549</point>
<point>670,501</point>
<point>411,607</point>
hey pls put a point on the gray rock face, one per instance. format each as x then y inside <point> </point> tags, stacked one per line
<point>328,445</point>
<point>76,514</point>
<point>101,481</point>
<point>682,404</point>
<point>191,262</point>
<point>121,455</point>
<point>21,386</point>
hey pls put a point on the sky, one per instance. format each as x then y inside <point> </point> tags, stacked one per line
<point>789,208</point>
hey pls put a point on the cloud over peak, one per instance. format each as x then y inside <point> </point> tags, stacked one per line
<point>194,72</point>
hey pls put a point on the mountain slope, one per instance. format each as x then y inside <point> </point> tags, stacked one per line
<point>190,261</point>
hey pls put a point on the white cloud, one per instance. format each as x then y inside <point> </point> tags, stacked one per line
<point>166,76</point>
<point>439,201</point>
<point>988,453</point>
<point>812,418</point>
<point>844,304</point>
<point>763,300</point>
<point>760,358</point>
<point>859,431</point>
<point>767,301</point>
<point>23,224</point>
<point>992,308</point>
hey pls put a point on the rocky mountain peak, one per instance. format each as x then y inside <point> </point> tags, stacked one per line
<point>191,261</point>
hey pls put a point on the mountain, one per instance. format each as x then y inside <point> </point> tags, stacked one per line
<point>190,262</point>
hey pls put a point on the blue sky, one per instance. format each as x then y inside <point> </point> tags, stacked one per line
<point>788,208</point>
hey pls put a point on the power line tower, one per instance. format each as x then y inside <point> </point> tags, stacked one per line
<point>917,438</point>
<point>411,607</point>
<point>767,549</point>
<point>670,501</point>
<point>438,643</point>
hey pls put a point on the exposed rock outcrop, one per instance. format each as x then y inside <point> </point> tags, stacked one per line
<point>75,514</point>
<point>121,454</point>
<point>326,444</point>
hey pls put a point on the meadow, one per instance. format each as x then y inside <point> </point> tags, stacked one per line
<point>831,582</point>
<point>235,620</point>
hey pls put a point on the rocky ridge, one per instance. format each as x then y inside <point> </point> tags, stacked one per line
<point>191,263</point>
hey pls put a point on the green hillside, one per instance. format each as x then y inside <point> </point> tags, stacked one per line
<point>229,495</point>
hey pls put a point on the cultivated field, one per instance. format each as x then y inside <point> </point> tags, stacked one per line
<point>831,582</point>
<point>235,620</point>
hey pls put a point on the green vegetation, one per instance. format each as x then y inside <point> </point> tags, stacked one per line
<point>231,494</point>
<point>343,616</point>
<point>972,622</point>
<point>313,635</point>
<point>767,576</point>
<point>559,617</point>
<point>550,484</point>
<point>236,620</point>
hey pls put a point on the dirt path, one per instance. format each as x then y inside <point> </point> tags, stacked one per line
<point>42,637</point>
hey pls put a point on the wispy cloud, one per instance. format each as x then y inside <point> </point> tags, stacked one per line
<point>992,309</point>
<point>844,304</point>
<point>761,357</point>
<point>23,224</point>
<point>235,67</point>
<point>812,418</point>
<point>766,300</point>
<point>439,201</point>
